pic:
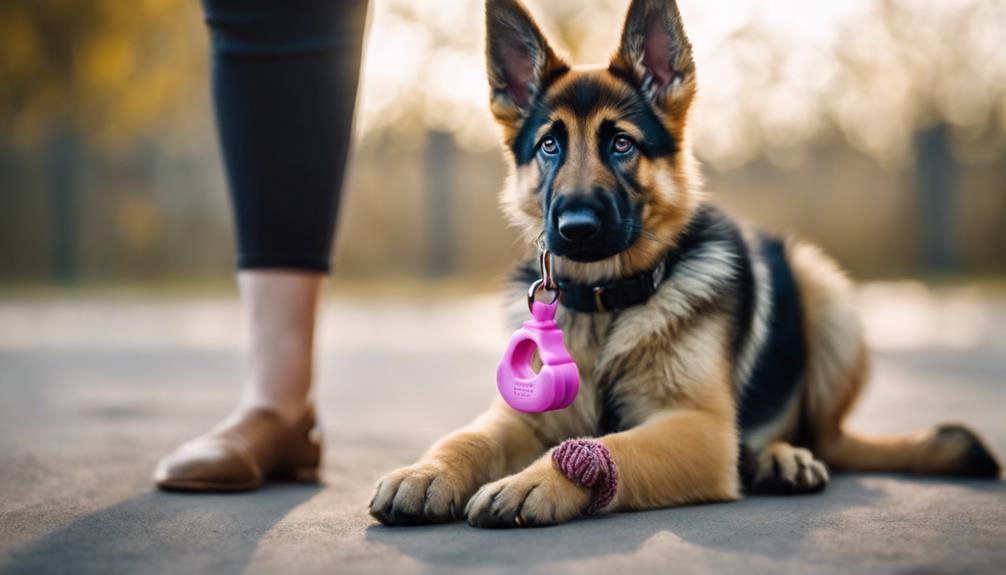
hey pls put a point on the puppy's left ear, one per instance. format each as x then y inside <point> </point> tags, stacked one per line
<point>518,59</point>
<point>656,54</point>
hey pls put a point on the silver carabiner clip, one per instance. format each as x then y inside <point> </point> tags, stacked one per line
<point>545,263</point>
<point>545,283</point>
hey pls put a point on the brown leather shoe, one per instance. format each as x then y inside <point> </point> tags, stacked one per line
<point>242,452</point>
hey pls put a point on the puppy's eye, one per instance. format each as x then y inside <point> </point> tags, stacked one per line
<point>549,145</point>
<point>622,144</point>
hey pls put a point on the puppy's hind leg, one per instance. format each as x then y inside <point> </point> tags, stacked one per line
<point>837,372</point>
<point>949,449</point>
<point>782,469</point>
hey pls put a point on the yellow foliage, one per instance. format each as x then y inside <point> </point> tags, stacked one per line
<point>19,50</point>
<point>138,223</point>
<point>105,64</point>
<point>116,70</point>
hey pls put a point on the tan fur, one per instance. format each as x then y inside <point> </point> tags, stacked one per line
<point>669,363</point>
<point>687,397</point>
<point>783,468</point>
<point>437,488</point>
<point>837,373</point>
<point>675,186</point>
<point>682,446</point>
<point>511,15</point>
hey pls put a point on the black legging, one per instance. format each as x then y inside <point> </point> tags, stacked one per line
<point>285,74</point>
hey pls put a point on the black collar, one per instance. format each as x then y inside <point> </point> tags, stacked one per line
<point>612,295</point>
<point>619,294</point>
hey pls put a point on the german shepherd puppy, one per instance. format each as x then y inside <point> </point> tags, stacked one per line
<point>734,375</point>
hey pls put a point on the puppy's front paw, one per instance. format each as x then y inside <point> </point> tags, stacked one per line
<point>535,497</point>
<point>427,492</point>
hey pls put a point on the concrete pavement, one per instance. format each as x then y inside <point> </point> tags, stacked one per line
<point>96,389</point>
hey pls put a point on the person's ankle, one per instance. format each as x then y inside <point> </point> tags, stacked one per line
<point>290,410</point>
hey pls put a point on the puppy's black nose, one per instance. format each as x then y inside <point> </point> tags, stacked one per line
<point>579,225</point>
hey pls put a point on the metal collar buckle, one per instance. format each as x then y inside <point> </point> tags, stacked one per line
<point>658,275</point>
<point>599,298</point>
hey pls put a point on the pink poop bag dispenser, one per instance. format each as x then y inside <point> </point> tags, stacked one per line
<point>552,387</point>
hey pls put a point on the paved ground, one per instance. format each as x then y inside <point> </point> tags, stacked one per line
<point>96,389</point>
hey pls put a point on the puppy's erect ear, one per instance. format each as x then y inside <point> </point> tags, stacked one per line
<point>656,54</point>
<point>518,59</point>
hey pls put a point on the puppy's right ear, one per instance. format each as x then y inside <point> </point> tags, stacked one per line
<point>518,60</point>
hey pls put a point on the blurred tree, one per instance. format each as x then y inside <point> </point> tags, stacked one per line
<point>919,76</point>
<point>112,71</point>
<point>88,79</point>
<point>936,182</point>
<point>809,111</point>
<point>440,191</point>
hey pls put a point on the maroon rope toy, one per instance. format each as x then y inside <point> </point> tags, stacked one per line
<point>588,462</point>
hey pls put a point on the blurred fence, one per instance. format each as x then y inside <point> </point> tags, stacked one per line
<point>876,128</point>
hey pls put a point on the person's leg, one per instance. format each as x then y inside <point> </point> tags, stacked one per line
<point>284,85</point>
<point>280,308</point>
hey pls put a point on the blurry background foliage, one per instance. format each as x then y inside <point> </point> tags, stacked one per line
<point>875,127</point>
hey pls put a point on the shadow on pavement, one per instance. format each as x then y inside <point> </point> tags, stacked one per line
<point>772,528</point>
<point>164,532</point>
